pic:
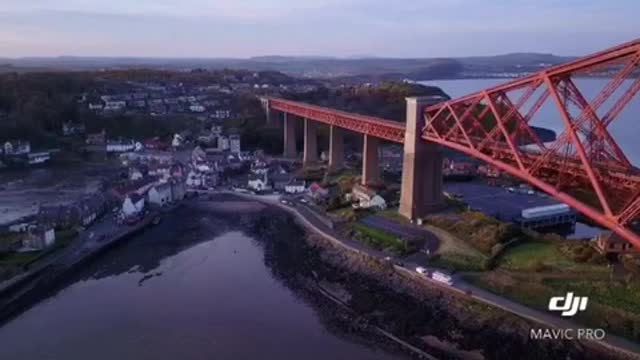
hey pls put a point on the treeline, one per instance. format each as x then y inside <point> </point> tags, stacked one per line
<point>386,100</point>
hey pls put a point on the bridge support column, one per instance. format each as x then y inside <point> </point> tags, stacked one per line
<point>336,148</point>
<point>310,143</point>
<point>421,190</point>
<point>289,136</point>
<point>370,163</point>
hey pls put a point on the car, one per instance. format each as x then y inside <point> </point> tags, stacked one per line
<point>421,270</point>
<point>304,201</point>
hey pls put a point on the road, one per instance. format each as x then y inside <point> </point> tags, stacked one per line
<point>311,222</point>
<point>403,230</point>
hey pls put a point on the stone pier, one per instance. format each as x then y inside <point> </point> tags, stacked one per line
<point>310,155</point>
<point>336,148</point>
<point>370,163</point>
<point>289,136</point>
<point>421,190</point>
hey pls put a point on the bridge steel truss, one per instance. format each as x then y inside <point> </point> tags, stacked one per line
<point>584,168</point>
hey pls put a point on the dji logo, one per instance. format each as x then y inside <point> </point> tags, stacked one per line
<point>569,305</point>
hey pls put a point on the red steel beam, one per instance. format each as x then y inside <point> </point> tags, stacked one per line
<point>369,125</point>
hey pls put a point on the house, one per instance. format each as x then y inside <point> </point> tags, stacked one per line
<point>18,147</point>
<point>156,144</point>
<point>195,180</point>
<point>96,138</point>
<point>133,205</point>
<point>70,128</point>
<point>317,192</point>
<point>95,106</point>
<point>114,105</point>
<point>366,198</point>
<point>608,244</point>
<point>160,194</point>
<point>197,108</point>
<point>280,181</point>
<point>177,141</point>
<point>295,187</point>
<point>115,146</point>
<point>223,143</point>
<point>178,190</point>
<point>38,238</point>
<point>258,182</point>
<point>139,187</point>
<point>135,174</point>
<point>234,143</point>
<point>38,157</point>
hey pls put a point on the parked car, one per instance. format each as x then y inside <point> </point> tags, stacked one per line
<point>421,270</point>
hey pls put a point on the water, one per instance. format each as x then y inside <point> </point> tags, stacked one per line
<point>200,286</point>
<point>623,129</point>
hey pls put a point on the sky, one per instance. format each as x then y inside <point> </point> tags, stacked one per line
<point>344,28</point>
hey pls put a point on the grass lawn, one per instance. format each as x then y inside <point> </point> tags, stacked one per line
<point>545,256</point>
<point>379,240</point>
<point>18,259</point>
<point>612,306</point>
<point>616,295</point>
<point>458,262</point>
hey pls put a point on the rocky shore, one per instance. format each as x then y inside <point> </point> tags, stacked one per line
<point>439,322</point>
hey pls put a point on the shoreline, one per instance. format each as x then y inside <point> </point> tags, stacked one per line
<point>355,260</point>
<point>620,346</point>
<point>26,291</point>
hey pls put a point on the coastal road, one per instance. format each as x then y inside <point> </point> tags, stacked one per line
<point>403,230</point>
<point>545,319</point>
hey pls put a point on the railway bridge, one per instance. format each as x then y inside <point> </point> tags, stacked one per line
<point>584,168</point>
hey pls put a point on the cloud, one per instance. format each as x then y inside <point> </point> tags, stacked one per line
<point>314,27</point>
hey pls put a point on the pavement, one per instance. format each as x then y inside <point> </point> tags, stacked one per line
<point>496,201</point>
<point>403,230</point>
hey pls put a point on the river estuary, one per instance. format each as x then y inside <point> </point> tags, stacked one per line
<point>198,286</point>
<point>224,279</point>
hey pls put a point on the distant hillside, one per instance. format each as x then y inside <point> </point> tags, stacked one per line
<point>359,69</point>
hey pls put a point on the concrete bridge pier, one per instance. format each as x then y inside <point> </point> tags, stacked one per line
<point>336,148</point>
<point>370,163</point>
<point>421,190</point>
<point>310,155</point>
<point>289,136</point>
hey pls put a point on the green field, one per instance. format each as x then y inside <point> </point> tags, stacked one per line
<point>377,239</point>
<point>457,262</point>
<point>18,259</point>
<point>613,306</point>
<point>538,256</point>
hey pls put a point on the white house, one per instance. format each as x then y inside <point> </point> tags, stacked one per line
<point>234,143</point>
<point>96,106</point>
<point>258,182</point>
<point>120,146</point>
<point>39,238</point>
<point>17,147</point>
<point>177,141</point>
<point>295,187</point>
<point>366,198</point>
<point>197,108</point>
<point>195,179</point>
<point>160,194</point>
<point>377,202</point>
<point>135,174</point>
<point>39,157</point>
<point>133,205</point>
<point>114,105</point>
<point>178,190</point>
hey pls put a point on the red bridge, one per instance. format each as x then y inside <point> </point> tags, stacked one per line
<point>584,168</point>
